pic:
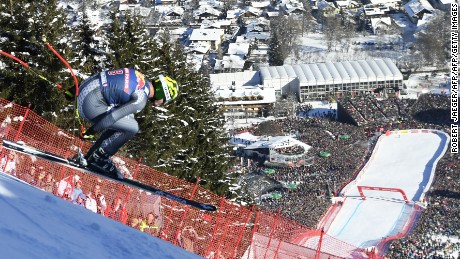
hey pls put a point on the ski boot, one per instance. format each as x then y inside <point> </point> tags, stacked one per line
<point>78,159</point>
<point>100,162</point>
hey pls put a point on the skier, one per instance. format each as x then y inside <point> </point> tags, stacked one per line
<point>109,100</point>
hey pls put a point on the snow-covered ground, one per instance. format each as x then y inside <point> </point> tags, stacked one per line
<point>404,160</point>
<point>37,224</point>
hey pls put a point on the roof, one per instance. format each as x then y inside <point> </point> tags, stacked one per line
<point>334,72</point>
<point>206,34</point>
<point>206,9</point>
<point>260,4</point>
<point>277,142</point>
<point>241,84</point>
<point>238,48</point>
<point>414,7</point>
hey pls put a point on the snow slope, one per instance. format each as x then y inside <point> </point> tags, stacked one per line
<point>37,224</point>
<point>404,160</point>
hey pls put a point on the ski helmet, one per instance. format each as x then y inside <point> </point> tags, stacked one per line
<point>166,89</point>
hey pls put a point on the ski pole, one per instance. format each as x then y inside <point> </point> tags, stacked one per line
<point>63,61</point>
<point>32,71</point>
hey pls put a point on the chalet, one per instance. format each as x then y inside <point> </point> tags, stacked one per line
<point>328,9</point>
<point>415,9</point>
<point>238,48</point>
<point>292,9</point>
<point>258,25</point>
<point>380,24</point>
<point>230,63</point>
<point>207,37</point>
<point>206,12</point>
<point>250,13</point>
<point>233,15</point>
<point>393,4</point>
<point>173,13</point>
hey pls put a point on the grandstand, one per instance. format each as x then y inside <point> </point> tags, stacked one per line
<point>317,81</point>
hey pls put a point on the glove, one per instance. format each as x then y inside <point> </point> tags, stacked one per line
<point>70,94</point>
<point>87,134</point>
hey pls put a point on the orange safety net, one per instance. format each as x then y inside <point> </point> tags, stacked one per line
<point>233,231</point>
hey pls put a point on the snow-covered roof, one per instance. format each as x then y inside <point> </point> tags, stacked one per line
<point>376,9</point>
<point>214,23</point>
<point>375,2</point>
<point>230,62</point>
<point>238,48</point>
<point>241,84</point>
<point>206,34</point>
<point>335,72</point>
<point>206,9</point>
<point>414,7</point>
<point>243,139</point>
<point>277,142</point>
<point>375,22</point>
<point>264,35</point>
<point>262,4</point>
<point>233,13</point>
<point>197,48</point>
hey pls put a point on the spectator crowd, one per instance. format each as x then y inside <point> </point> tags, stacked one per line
<point>437,232</point>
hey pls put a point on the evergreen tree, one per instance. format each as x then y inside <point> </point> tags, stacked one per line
<point>88,58</point>
<point>128,42</point>
<point>185,139</point>
<point>22,29</point>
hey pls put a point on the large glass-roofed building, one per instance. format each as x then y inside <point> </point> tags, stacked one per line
<point>317,81</point>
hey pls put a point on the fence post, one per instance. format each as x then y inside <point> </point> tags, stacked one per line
<point>275,222</point>
<point>221,238</point>
<point>22,123</point>
<point>242,231</point>
<point>318,249</point>
<point>256,220</point>
<point>216,226</point>
<point>277,249</point>
<point>179,229</point>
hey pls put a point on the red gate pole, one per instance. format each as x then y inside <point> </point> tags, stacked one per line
<point>63,168</point>
<point>318,249</point>
<point>22,123</point>
<point>256,220</point>
<point>275,222</point>
<point>242,231</point>
<point>216,226</point>
<point>179,229</point>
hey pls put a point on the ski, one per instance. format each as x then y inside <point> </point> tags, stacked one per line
<point>23,148</point>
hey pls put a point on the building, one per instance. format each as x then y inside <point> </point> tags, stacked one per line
<point>241,94</point>
<point>281,150</point>
<point>318,81</point>
<point>207,37</point>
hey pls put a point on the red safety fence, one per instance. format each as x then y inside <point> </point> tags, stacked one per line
<point>233,231</point>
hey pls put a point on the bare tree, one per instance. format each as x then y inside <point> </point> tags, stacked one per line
<point>434,41</point>
<point>285,32</point>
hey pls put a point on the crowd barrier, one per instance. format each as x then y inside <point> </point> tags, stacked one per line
<point>233,231</point>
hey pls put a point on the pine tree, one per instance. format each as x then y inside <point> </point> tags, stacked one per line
<point>187,138</point>
<point>27,23</point>
<point>88,59</point>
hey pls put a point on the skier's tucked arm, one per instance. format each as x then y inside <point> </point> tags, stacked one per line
<point>135,105</point>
